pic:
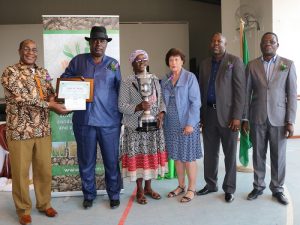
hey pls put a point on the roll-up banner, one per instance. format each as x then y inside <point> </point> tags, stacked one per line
<point>63,39</point>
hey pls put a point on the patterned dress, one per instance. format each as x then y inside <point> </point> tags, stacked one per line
<point>143,154</point>
<point>185,148</point>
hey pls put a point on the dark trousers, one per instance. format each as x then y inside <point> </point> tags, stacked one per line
<point>213,135</point>
<point>108,138</point>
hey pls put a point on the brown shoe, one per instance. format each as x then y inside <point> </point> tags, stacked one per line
<point>50,212</point>
<point>25,220</point>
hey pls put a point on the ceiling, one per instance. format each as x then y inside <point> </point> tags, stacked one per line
<point>215,2</point>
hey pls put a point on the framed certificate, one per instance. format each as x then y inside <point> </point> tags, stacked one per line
<point>75,88</point>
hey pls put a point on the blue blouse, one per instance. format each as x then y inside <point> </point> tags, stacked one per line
<point>187,97</point>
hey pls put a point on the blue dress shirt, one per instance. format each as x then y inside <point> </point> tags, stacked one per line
<point>211,92</point>
<point>103,111</point>
<point>269,66</point>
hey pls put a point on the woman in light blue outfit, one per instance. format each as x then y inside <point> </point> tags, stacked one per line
<point>182,131</point>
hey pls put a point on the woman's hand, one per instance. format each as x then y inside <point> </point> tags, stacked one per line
<point>160,119</point>
<point>144,105</point>
<point>188,130</point>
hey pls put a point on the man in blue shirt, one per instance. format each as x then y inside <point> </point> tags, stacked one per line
<point>101,121</point>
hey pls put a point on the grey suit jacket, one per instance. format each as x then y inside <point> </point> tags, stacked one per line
<point>230,87</point>
<point>275,99</point>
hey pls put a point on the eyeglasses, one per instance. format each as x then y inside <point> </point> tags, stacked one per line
<point>141,60</point>
<point>269,42</point>
<point>27,50</point>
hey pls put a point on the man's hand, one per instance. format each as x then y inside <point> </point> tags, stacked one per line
<point>52,97</point>
<point>235,125</point>
<point>58,108</point>
<point>160,119</point>
<point>188,130</point>
<point>245,127</point>
<point>289,130</point>
<point>201,125</point>
<point>144,105</point>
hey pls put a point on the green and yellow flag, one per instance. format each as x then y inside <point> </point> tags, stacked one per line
<point>245,142</point>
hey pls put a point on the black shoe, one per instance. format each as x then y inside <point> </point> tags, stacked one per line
<point>281,198</point>
<point>87,203</point>
<point>205,191</point>
<point>254,194</point>
<point>229,197</point>
<point>114,203</point>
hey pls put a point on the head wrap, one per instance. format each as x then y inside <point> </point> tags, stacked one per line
<point>135,53</point>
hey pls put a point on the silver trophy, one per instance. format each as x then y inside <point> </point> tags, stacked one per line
<point>147,122</point>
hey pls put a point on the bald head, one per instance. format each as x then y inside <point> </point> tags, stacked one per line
<point>28,52</point>
<point>218,45</point>
<point>22,43</point>
<point>219,34</point>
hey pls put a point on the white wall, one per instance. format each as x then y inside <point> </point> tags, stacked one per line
<point>229,27</point>
<point>156,39</point>
<point>262,10</point>
<point>286,18</point>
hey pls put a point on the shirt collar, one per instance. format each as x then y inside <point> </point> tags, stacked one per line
<point>273,59</point>
<point>23,66</point>
<point>213,59</point>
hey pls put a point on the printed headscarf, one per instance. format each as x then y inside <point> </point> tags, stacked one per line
<point>135,53</point>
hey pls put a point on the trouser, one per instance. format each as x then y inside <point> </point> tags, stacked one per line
<point>260,136</point>
<point>213,134</point>
<point>22,153</point>
<point>108,139</point>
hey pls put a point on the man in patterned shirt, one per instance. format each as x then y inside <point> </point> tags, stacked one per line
<point>29,97</point>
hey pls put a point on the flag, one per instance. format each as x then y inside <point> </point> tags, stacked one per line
<point>245,142</point>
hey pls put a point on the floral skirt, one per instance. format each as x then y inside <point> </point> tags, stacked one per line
<point>185,148</point>
<point>143,154</point>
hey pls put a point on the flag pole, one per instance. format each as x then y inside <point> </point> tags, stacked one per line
<point>242,25</point>
<point>243,139</point>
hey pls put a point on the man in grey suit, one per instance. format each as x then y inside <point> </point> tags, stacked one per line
<point>222,85</point>
<point>271,110</point>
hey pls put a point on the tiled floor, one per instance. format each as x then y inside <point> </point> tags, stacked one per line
<point>204,210</point>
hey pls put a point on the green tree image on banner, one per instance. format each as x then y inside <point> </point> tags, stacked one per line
<point>61,126</point>
<point>245,142</point>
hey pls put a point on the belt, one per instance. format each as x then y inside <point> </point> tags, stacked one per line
<point>214,106</point>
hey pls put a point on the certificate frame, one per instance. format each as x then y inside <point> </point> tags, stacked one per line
<point>77,79</point>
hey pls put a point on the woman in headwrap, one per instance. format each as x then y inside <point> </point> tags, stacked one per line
<point>143,154</point>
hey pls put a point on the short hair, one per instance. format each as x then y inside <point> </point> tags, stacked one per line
<point>271,34</point>
<point>23,42</point>
<point>174,52</point>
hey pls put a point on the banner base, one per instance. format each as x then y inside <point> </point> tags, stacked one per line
<point>77,193</point>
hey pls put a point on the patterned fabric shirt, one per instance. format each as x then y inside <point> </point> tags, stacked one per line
<point>27,115</point>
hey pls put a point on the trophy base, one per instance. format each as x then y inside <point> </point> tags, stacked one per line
<point>151,126</point>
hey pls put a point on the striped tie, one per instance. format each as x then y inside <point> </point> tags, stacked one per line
<point>38,82</point>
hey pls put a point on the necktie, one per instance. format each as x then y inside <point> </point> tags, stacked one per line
<point>38,83</point>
